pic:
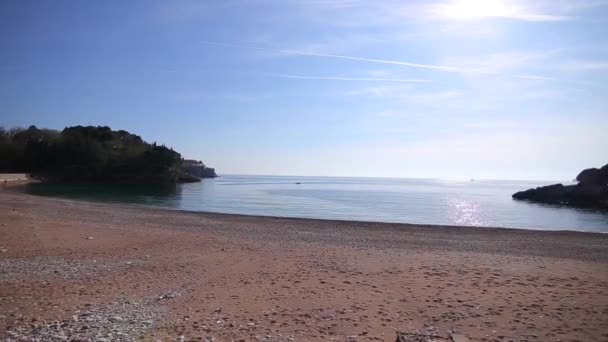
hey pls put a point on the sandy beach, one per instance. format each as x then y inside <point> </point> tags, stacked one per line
<point>13,179</point>
<point>105,272</point>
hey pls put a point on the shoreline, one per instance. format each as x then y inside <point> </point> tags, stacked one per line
<point>139,272</point>
<point>14,189</point>
<point>404,225</point>
<point>11,180</point>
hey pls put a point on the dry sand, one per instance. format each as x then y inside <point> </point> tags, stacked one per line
<point>82,271</point>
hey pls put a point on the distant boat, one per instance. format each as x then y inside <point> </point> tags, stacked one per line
<point>472,180</point>
<point>298,183</point>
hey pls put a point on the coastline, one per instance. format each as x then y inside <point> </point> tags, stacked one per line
<point>291,278</point>
<point>15,187</point>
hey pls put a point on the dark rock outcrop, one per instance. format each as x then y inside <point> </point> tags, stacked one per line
<point>208,172</point>
<point>590,192</point>
<point>593,176</point>
<point>187,178</point>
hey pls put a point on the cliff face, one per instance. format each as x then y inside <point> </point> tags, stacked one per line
<point>208,172</point>
<point>198,169</point>
<point>590,192</point>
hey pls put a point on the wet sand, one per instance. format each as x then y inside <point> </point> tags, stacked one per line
<point>83,271</point>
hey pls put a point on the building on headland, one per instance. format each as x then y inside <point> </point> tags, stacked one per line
<point>198,169</point>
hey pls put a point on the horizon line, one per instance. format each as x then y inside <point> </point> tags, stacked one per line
<point>392,177</point>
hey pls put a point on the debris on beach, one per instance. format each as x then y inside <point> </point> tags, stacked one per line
<point>416,337</point>
<point>125,320</point>
<point>429,336</point>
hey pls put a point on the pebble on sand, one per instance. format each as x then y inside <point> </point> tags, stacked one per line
<point>459,338</point>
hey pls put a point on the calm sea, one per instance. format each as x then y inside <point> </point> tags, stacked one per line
<point>425,201</point>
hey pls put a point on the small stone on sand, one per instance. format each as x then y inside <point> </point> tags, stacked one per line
<point>459,338</point>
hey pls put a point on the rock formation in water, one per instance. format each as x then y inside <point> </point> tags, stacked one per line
<point>591,191</point>
<point>197,168</point>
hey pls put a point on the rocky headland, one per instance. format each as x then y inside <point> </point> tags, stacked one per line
<point>94,154</point>
<point>590,192</point>
<point>198,169</point>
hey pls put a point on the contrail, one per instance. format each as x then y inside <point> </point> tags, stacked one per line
<point>381,61</point>
<point>338,78</point>
<point>371,60</point>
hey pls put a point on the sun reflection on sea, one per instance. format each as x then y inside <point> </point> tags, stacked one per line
<point>463,212</point>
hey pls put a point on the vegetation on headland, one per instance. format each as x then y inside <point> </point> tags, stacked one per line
<point>88,153</point>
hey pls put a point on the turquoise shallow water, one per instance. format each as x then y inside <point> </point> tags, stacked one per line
<point>424,201</point>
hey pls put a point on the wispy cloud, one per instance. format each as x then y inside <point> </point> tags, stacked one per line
<point>521,10</point>
<point>536,77</point>
<point>356,79</point>
<point>335,45</point>
<point>331,4</point>
<point>584,66</point>
<point>378,13</point>
<point>503,62</point>
<point>394,91</point>
<point>475,9</point>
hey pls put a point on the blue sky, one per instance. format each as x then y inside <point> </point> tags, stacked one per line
<point>439,89</point>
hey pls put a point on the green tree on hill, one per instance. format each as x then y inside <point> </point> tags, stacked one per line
<point>86,153</point>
